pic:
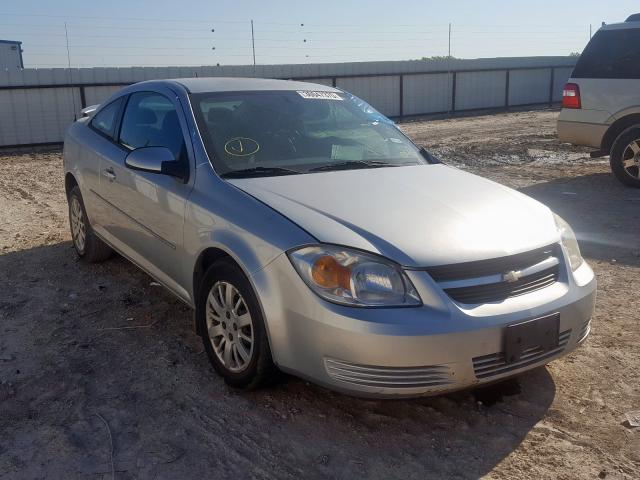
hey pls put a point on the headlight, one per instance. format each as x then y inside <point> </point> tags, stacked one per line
<point>570,243</point>
<point>354,278</point>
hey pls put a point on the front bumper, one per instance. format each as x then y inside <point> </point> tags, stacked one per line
<point>403,352</point>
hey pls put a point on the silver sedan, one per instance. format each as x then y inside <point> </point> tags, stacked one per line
<point>311,236</point>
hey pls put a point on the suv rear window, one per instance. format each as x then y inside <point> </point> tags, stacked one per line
<point>611,54</point>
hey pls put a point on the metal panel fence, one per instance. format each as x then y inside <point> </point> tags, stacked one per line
<point>36,105</point>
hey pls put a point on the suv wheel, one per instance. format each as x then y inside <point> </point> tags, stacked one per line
<point>88,246</point>
<point>625,157</point>
<point>230,321</point>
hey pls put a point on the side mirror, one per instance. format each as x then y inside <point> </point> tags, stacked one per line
<point>156,160</point>
<point>429,157</point>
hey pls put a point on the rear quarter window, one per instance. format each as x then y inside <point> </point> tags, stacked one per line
<point>611,54</point>
<point>104,122</point>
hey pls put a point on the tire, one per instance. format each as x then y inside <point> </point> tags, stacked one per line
<point>227,315</point>
<point>87,245</point>
<point>625,157</point>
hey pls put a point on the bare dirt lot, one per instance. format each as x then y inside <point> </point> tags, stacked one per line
<point>99,369</point>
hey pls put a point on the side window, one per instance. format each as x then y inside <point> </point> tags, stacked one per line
<point>611,54</point>
<point>105,120</point>
<point>151,120</point>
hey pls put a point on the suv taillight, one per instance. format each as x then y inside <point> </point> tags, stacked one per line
<point>571,96</point>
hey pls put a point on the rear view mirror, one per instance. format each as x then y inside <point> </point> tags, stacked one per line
<point>156,160</point>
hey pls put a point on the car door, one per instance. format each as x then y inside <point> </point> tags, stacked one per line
<point>101,144</point>
<point>147,209</point>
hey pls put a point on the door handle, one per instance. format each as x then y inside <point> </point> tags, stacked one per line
<point>109,173</point>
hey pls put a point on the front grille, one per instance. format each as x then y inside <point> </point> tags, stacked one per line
<point>499,291</point>
<point>483,281</point>
<point>495,363</point>
<point>388,377</point>
<point>480,268</point>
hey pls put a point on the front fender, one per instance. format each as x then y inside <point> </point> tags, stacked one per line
<point>221,216</point>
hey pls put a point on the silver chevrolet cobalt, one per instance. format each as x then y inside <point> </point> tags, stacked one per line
<point>311,236</point>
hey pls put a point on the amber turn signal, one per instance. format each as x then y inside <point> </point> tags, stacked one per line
<point>328,273</point>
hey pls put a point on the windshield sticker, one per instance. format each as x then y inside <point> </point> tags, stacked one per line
<point>241,147</point>
<point>308,94</point>
<point>347,152</point>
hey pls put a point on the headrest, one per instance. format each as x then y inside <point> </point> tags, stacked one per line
<point>219,115</point>
<point>171,121</point>
<point>145,116</point>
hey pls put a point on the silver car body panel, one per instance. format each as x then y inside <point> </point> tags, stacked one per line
<point>417,216</point>
<point>305,331</point>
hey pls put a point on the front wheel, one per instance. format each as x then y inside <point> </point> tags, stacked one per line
<point>232,328</point>
<point>625,157</point>
<point>88,246</point>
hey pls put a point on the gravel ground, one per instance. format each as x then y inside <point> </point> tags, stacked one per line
<point>100,370</point>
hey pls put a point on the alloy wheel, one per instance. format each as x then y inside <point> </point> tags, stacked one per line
<point>229,326</point>
<point>631,159</point>
<point>78,227</point>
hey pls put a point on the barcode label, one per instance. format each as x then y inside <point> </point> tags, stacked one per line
<point>319,95</point>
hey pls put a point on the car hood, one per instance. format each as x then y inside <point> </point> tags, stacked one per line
<point>418,216</point>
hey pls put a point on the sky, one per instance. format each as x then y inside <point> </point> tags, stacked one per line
<point>210,32</point>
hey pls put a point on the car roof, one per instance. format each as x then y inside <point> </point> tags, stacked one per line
<point>235,84</point>
<point>633,23</point>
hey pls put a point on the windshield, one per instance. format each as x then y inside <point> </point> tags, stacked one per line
<point>288,132</point>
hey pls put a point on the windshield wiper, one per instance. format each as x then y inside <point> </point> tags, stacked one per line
<point>260,172</point>
<point>353,164</point>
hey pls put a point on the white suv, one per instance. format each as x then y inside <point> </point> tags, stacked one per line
<point>601,102</point>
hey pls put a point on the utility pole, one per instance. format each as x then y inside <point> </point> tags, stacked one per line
<point>253,46</point>
<point>73,97</point>
<point>449,40</point>
<point>590,31</point>
<point>66,35</point>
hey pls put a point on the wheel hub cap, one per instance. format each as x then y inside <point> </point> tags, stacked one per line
<point>631,159</point>
<point>78,228</point>
<point>229,326</point>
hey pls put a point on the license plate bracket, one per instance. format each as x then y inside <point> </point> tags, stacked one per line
<point>541,332</point>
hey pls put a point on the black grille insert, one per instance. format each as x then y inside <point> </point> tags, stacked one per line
<point>494,292</point>
<point>481,268</point>
<point>501,289</point>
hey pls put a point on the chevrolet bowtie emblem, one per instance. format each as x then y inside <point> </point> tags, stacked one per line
<point>512,276</point>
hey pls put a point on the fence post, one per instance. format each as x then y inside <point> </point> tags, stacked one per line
<point>453,91</point>
<point>401,96</point>
<point>551,82</point>
<point>334,82</point>
<point>506,88</point>
<point>83,97</point>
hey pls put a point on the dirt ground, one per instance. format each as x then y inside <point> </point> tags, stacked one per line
<point>101,370</point>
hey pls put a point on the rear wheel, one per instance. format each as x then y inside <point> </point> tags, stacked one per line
<point>625,157</point>
<point>233,332</point>
<point>88,246</point>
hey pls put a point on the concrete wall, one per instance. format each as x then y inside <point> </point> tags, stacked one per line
<point>382,92</point>
<point>480,90</point>
<point>427,93</point>
<point>36,115</point>
<point>529,86</point>
<point>36,105</point>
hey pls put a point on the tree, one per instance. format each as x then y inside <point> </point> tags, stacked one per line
<point>438,57</point>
